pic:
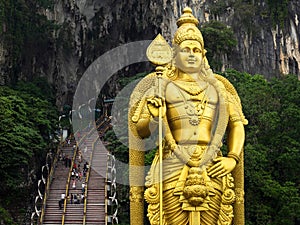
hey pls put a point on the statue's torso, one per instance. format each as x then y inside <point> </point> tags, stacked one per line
<point>191,108</point>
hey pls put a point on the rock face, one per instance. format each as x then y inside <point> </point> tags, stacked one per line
<point>89,28</point>
<point>264,46</point>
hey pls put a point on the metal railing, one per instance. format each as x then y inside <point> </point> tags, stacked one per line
<point>86,186</point>
<point>111,188</point>
<point>47,187</point>
<point>67,186</point>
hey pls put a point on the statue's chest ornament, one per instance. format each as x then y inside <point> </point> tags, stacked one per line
<point>196,102</point>
<point>192,88</point>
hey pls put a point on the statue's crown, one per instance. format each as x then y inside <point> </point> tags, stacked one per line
<point>187,28</point>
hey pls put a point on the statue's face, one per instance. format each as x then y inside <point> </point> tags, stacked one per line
<point>189,56</point>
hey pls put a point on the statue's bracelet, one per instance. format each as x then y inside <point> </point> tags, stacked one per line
<point>234,156</point>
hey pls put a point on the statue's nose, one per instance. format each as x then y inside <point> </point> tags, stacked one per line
<point>192,55</point>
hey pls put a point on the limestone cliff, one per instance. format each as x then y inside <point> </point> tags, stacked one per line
<point>264,46</point>
<point>88,28</point>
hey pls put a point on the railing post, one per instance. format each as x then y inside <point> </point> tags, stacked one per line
<point>47,182</point>
<point>111,191</point>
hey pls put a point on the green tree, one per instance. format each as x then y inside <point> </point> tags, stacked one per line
<point>27,118</point>
<point>271,148</point>
<point>219,41</point>
<point>278,10</point>
<point>5,217</point>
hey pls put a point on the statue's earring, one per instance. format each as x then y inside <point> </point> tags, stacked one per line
<point>206,65</point>
<point>172,70</point>
<point>205,61</point>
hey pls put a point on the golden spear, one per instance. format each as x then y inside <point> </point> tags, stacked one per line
<point>160,54</point>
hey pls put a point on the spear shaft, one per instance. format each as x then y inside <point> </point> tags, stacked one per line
<point>159,71</point>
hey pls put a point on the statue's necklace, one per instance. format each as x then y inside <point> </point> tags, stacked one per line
<point>194,111</point>
<point>193,88</point>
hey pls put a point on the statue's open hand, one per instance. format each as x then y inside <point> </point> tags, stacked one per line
<point>222,166</point>
<point>153,105</point>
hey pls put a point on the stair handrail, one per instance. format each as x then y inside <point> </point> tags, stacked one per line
<point>87,179</point>
<point>47,188</point>
<point>106,126</point>
<point>68,184</point>
<point>106,189</point>
<point>99,119</point>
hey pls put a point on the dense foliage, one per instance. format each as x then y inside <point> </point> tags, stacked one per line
<point>272,146</point>
<point>28,116</point>
<point>219,41</point>
<point>276,11</point>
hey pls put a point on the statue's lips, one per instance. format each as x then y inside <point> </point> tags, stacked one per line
<point>191,61</point>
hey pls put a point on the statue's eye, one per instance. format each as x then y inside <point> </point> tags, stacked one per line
<point>197,50</point>
<point>185,50</point>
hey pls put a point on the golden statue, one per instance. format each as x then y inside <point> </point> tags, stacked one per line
<point>190,181</point>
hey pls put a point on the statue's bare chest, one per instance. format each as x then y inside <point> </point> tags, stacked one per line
<point>187,92</point>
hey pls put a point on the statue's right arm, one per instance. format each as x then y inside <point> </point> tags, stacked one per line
<point>146,124</point>
<point>146,113</point>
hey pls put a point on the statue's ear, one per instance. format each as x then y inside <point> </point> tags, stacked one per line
<point>206,64</point>
<point>204,52</point>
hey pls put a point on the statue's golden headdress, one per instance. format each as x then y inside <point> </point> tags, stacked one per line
<point>187,28</point>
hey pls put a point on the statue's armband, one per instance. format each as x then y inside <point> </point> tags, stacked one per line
<point>233,112</point>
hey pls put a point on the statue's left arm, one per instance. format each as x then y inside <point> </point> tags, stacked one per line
<point>235,137</point>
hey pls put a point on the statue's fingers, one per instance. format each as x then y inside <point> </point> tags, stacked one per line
<point>154,102</point>
<point>214,170</point>
<point>149,100</point>
<point>222,174</point>
<point>217,159</point>
<point>218,164</point>
<point>211,168</point>
<point>217,173</point>
<point>159,102</point>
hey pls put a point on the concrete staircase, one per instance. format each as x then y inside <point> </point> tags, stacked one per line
<point>53,214</point>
